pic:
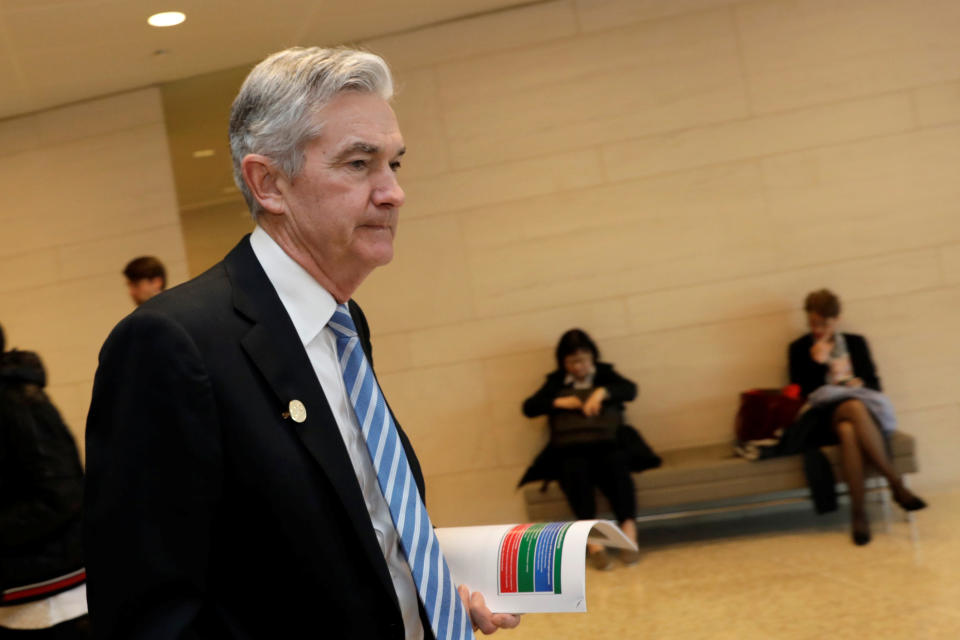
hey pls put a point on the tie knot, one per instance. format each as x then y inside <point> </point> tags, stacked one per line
<point>342,322</point>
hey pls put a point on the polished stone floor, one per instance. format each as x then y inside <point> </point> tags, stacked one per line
<point>784,573</point>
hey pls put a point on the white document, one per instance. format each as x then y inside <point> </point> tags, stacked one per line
<point>527,568</point>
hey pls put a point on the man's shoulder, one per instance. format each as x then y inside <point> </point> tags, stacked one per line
<point>195,300</point>
<point>198,311</point>
<point>804,341</point>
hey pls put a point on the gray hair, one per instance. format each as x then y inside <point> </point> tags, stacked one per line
<point>273,113</point>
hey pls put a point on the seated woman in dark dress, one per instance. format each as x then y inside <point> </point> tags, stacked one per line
<point>583,399</point>
<point>827,356</point>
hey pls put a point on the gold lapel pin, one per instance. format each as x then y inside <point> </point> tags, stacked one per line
<point>296,411</point>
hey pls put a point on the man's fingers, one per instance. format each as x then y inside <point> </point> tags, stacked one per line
<point>480,612</point>
<point>506,620</point>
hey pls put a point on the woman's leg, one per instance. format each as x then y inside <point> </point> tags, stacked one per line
<point>852,462</point>
<point>577,485</point>
<point>612,475</point>
<point>874,449</point>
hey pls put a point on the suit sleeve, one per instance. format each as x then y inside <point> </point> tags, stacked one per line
<point>153,484</point>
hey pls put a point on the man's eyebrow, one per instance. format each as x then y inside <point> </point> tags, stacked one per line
<point>364,147</point>
<point>358,146</point>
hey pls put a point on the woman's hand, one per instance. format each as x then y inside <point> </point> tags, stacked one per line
<point>820,351</point>
<point>854,382</point>
<point>594,403</point>
<point>571,403</point>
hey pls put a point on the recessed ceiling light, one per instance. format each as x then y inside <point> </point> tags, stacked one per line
<point>166,19</point>
<point>203,153</point>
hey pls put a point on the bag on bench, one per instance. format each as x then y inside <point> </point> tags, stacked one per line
<point>765,412</point>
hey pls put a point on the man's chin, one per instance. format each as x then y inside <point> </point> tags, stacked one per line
<point>378,255</point>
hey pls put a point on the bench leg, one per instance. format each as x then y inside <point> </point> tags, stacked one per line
<point>885,503</point>
<point>911,518</point>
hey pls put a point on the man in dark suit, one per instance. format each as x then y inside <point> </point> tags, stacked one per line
<point>230,491</point>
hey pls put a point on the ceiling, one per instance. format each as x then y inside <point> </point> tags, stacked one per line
<point>54,52</point>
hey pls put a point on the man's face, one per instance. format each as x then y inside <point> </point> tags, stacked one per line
<point>343,205</point>
<point>144,289</point>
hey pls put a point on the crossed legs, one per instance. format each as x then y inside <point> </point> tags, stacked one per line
<point>860,442</point>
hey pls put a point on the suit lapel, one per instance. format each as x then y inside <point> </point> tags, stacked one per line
<point>274,347</point>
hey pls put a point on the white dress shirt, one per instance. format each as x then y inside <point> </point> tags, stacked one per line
<point>310,307</point>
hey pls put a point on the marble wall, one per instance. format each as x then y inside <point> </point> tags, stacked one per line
<point>86,188</point>
<point>672,177</point>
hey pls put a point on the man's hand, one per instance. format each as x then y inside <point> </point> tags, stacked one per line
<point>568,402</point>
<point>820,351</point>
<point>594,403</point>
<point>481,616</point>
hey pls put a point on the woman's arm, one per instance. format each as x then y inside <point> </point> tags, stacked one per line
<point>541,402</point>
<point>804,370</point>
<point>862,361</point>
<point>619,389</point>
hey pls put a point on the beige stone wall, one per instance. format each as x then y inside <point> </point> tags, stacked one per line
<point>86,188</point>
<point>672,176</point>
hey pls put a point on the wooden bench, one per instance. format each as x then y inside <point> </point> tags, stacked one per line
<point>695,480</point>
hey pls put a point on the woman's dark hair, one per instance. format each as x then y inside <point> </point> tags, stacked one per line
<point>823,302</point>
<point>573,341</point>
<point>2,340</point>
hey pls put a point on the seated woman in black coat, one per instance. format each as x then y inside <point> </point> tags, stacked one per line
<point>827,356</point>
<point>583,399</point>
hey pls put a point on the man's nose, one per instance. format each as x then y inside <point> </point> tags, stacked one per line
<point>388,192</point>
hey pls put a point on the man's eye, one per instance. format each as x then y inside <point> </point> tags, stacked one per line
<point>395,165</point>
<point>358,164</point>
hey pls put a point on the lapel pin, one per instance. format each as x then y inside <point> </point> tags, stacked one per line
<point>297,411</point>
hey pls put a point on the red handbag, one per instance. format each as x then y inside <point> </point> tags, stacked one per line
<point>763,412</point>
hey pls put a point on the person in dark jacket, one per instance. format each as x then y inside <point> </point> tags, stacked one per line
<point>827,356</point>
<point>590,447</point>
<point>42,594</point>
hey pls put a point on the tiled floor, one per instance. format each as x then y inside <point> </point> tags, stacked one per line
<point>778,574</point>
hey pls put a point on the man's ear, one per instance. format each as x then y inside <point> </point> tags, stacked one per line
<point>260,174</point>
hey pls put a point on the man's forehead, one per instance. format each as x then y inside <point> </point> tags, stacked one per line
<point>358,117</point>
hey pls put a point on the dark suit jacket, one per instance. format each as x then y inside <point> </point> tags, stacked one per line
<point>810,374</point>
<point>209,514</point>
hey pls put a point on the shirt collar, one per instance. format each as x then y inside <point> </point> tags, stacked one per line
<point>308,304</point>
<point>587,380</point>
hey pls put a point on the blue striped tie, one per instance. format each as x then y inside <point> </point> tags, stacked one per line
<point>429,568</point>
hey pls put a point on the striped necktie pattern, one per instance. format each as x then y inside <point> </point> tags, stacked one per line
<point>446,612</point>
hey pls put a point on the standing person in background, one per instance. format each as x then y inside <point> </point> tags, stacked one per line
<point>146,277</point>
<point>590,446</point>
<point>826,356</point>
<point>42,590</point>
<point>246,477</point>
